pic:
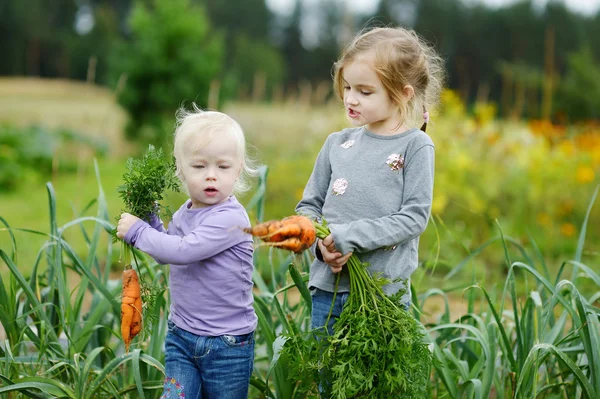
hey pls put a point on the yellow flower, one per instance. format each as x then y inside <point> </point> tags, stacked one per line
<point>438,204</point>
<point>494,212</point>
<point>476,204</point>
<point>566,207</point>
<point>567,229</point>
<point>567,148</point>
<point>544,219</point>
<point>584,174</point>
<point>463,161</point>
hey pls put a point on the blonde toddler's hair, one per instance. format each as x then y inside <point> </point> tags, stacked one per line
<point>195,129</point>
<point>400,58</point>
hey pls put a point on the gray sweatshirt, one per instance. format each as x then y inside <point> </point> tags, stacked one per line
<point>375,193</point>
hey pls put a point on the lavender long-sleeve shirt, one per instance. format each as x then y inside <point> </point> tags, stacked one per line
<point>211,266</point>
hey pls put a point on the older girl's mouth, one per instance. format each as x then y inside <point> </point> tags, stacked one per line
<point>352,113</point>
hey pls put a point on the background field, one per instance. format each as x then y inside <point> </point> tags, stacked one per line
<point>534,181</point>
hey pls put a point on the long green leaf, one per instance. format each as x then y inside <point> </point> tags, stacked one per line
<point>49,385</point>
<point>582,232</point>
<point>533,360</point>
<point>301,285</point>
<point>137,376</point>
<point>31,297</point>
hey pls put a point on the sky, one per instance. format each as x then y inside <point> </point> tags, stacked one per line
<point>586,7</point>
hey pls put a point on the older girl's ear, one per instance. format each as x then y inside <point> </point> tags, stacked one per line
<point>408,92</point>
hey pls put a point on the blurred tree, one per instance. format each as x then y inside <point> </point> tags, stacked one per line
<point>90,49</point>
<point>250,59</point>
<point>257,65</point>
<point>311,49</point>
<point>592,35</point>
<point>578,95</point>
<point>32,36</point>
<point>291,45</point>
<point>171,58</point>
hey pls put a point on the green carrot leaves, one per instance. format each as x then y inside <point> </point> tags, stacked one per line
<point>146,180</point>
<point>377,349</point>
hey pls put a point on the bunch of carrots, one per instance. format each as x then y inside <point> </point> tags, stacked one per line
<point>377,349</point>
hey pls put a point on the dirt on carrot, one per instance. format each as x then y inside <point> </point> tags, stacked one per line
<point>131,307</point>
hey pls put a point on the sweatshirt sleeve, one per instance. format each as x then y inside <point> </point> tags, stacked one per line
<point>217,233</point>
<point>157,224</point>
<point>409,222</point>
<point>313,198</point>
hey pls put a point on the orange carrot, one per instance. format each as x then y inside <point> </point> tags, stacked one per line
<point>295,233</point>
<point>131,306</point>
<point>136,322</point>
<point>293,244</point>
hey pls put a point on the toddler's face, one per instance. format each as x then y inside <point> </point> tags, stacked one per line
<point>210,173</point>
<point>366,100</point>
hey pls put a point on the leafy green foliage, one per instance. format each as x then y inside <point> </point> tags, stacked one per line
<point>172,56</point>
<point>579,91</point>
<point>146,180</point>
<point>377,349</point>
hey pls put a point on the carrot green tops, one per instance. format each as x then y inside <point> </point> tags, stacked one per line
<point>211,266</point>
<point>375,193</point>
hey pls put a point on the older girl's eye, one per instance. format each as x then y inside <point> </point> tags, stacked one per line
<point>346,87</point>
<point>365,93</point>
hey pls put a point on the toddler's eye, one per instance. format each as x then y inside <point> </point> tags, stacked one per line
<point>224,166</point>
<point>198,166</point>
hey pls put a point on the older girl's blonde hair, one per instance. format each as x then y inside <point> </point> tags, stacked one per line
<point>400,58</point>
<point>195,129</point>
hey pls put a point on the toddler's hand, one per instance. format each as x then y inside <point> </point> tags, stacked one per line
<point>331,255</point>
<point>127,220</point>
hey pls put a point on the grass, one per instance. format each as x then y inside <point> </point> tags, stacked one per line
<point>56,103</point>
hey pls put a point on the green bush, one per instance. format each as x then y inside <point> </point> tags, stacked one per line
<point>171,57</point>
<point>578,95</point>
<point>30,151</point>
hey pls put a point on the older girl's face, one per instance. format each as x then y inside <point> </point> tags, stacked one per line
<point>367,101</point>
<point>210,173</point>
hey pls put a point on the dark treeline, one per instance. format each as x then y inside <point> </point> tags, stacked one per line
<point>510,55</point>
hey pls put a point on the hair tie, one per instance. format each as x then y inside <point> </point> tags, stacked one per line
<point>426,117</point>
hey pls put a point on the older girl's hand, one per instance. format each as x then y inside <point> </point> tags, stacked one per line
<point>331,255</point>
<point>125,222</point>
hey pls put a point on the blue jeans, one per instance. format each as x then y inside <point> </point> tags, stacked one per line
<point>321,305</point>
<point>204,367</point>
